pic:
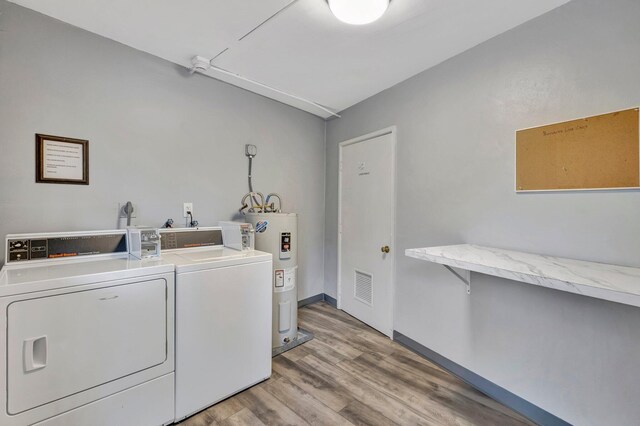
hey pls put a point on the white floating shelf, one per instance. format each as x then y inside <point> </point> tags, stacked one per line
<point>608,282</point>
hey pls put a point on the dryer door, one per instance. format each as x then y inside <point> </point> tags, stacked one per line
<point>64,344</point>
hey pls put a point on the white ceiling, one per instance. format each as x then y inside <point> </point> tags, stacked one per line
<point>303,51</point>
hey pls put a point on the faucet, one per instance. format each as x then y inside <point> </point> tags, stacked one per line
<point>128,209</point>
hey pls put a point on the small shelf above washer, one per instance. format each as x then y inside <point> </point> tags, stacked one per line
<point>599,280</point>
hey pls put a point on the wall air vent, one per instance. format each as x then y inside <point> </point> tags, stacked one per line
<point>363,288</point>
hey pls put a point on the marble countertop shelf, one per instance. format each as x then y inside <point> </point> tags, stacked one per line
<point>619,284</point>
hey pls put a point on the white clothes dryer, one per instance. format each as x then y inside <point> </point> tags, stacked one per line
<point>89,332</point>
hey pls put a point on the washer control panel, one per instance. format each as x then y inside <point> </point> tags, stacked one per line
<point>190,238</point>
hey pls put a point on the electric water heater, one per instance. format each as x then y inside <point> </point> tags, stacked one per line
<point>277,233</point>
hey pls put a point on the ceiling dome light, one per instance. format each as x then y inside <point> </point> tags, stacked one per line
<point>358,12</point>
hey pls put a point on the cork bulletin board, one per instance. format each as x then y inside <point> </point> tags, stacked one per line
<point>599,152</point>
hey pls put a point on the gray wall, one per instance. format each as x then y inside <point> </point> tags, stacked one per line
<point>571,355</point>
<point>158,137</point>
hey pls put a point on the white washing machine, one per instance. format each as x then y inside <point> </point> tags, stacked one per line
<point>223,317</point>
<point>89,332</point>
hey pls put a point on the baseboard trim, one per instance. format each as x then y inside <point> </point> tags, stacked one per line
<point>310,300</point>
<point>511,400</point>
<point>322,297</point>
<point>330,300</point>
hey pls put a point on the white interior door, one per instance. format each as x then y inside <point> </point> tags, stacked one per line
<point>366,229</point>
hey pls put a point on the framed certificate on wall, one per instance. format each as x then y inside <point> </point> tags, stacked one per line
<point>62,160</point>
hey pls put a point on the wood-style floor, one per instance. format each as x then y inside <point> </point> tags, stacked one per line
<point>350,374</point>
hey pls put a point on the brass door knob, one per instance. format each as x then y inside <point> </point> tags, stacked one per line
<point>385,249</point>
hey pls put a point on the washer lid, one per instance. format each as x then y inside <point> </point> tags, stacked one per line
<point>200,259</point>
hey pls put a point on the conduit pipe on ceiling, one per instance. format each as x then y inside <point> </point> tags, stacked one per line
<point>273,89</point>
<point>202,65</point>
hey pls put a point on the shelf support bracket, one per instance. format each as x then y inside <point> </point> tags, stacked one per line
<point>466,280</point>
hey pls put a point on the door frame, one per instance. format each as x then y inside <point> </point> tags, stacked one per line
<point>391,130</point>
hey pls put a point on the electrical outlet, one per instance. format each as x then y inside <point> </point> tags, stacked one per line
<point>123,214</point>
<point>187,207</point>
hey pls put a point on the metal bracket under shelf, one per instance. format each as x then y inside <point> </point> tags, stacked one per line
<point>464,275</point>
